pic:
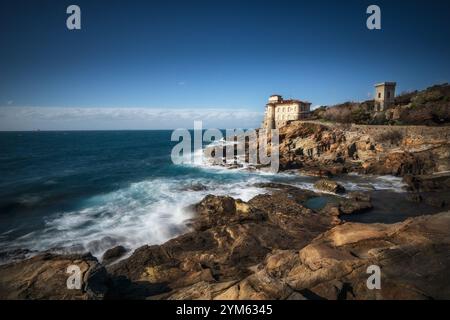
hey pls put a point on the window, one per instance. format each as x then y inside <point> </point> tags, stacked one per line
<point>289,109</point>
<point>379,95</point>
<point>389,94</point>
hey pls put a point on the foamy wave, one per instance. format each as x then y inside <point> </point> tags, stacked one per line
<point>147,212</point>
<point>390,183</point>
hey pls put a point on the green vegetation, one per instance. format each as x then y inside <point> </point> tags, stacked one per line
<point>428,107</point>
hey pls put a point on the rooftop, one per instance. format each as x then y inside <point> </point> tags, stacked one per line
<point>288,101</point>
<point>386,84</point>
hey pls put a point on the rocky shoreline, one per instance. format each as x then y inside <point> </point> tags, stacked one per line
<point>271,247</point>
<point>418,154</point>
<point>276,246</point>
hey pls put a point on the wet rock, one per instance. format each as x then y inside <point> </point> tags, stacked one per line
<point>113,254</point>
<point>15,255</point>
<point>101,244</point>
<point>45,277</point>
<point>433,182</point>
<point>216,210</point>
<point>271,247</point>
<point>357,202</point>
<point>437,200</point>
<point>337,169</point>
<point>415,197</point>
<point>231,237</point>
<point>432,189</point>
<point>359,196</point>
<point>315,172</point>
<point>195,187</point>
<point>329,186</point>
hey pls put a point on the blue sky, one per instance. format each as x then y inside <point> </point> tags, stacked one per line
<point>174,56</point>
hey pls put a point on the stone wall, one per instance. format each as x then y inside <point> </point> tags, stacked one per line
<point>417,132</point>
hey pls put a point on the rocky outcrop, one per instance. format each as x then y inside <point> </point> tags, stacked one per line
<point>413,258</point>
<point>319,149</point>
<point>329,186</point>
<point>432,189</point>
<point>230,238</point>
<point>325,150</point>
<point>357,202</point>
<point>271,247</point>
<point>432,182</point>
<point>45,277</point>
<point>113,254</point>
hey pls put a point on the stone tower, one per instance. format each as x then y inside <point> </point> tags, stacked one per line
<point>384,95</point>
<point>269,118</point>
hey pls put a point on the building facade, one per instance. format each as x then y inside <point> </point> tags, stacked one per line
<point>384,95</point>
<point>279,111</point>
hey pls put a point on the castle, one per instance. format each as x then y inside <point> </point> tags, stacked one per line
<point>279,111</point>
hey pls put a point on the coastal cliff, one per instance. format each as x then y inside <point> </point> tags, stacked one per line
<point>327,149</point>
<point>277,246</point>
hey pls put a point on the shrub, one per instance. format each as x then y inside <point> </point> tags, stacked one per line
<point>348,112</point>
<point>360,115</point>
<point>441,113</point>
<point>392,136</point>
<point>425,97</point>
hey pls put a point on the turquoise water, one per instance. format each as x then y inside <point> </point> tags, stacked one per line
<point>90,191</point>
<point>318,203</point>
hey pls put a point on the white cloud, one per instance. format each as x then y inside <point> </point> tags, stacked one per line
<point>64,118</point>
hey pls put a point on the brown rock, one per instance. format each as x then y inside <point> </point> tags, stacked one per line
<point>412,256</point>
<point>329,186</point>
<point>45,277</point>
<point>432,182</point>
<point>231,237</point>
<point>357,202</point>
<point>215,210</point>
<point>113,254</point>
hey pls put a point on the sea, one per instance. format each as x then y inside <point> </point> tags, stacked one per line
<point>80,191</point>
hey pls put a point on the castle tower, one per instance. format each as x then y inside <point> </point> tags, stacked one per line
<point>276,98</point>
<point>384,95</point>
<point>270,117</point>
